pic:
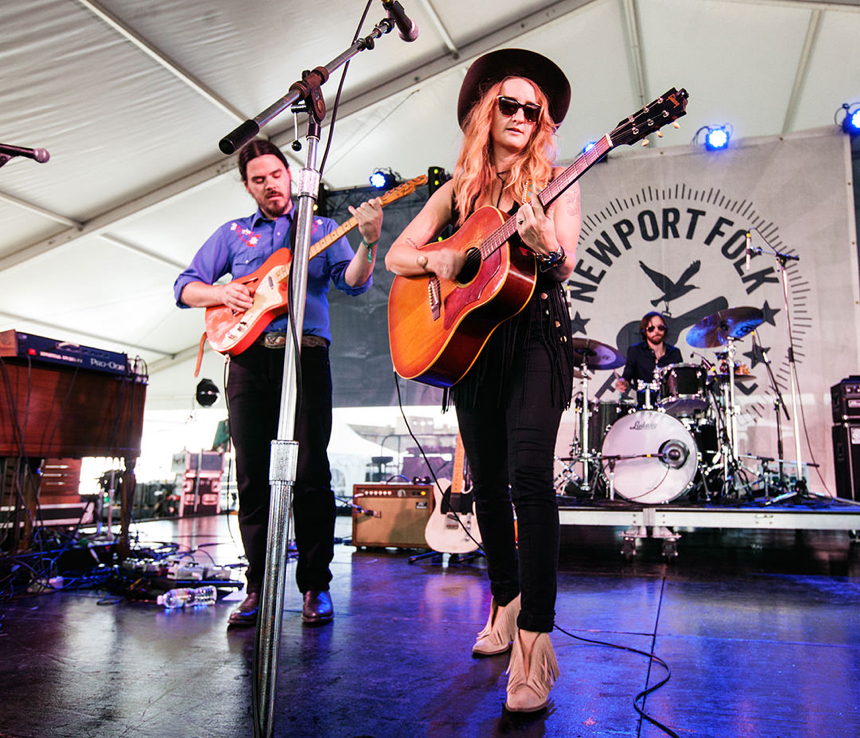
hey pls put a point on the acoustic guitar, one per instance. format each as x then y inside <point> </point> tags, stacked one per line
<point>437,326</point>
<point>232,331</point>
<point>453,526</point>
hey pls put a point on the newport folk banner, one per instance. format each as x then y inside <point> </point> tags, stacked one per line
<point>666,230</point>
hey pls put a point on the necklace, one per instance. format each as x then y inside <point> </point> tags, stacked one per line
<point>502,176</point>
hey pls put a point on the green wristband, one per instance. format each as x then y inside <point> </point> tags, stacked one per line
<point>369,247</point>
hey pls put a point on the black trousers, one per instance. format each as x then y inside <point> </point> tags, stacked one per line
<point>511,450</point>
<point>254,395</point>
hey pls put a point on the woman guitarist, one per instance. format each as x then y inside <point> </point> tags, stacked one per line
<point>509,403</point>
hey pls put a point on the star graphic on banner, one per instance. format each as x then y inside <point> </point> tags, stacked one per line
<point>769,313</point>
<point>577,324</point>
<point>755,356</point>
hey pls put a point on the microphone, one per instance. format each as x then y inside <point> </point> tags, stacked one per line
<point>40,155</point>
<point>748,249</point>
<point>407,29</point>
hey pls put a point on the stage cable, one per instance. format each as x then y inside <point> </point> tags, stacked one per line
<point>652,659</point>
<point>336,106</point>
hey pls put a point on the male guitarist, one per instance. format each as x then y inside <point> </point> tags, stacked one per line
<point>510,402</point>
<point>240,247</point>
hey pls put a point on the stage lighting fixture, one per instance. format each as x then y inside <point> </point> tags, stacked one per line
<point>321,204</point>
<point>436,177</point>
<point>716,137</point>
<point>851,118</point>
<point>383,179</point>
<point>207,392</point>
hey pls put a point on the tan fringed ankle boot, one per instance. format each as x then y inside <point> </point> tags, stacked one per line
<point>499,631</point>
<point>531,673</point>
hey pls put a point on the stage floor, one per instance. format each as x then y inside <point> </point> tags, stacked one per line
<point>761,629</point>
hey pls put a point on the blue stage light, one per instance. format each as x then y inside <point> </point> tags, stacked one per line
<point>851,121</point>
<point>383,179</point>
<point>716,137</point>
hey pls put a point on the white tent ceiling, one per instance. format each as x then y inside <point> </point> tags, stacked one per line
<point>131,99</point>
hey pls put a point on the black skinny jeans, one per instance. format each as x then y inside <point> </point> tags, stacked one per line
<point>254,394</point>
<point>515,445</point>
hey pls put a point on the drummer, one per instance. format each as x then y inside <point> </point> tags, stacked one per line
<point>652,351</point>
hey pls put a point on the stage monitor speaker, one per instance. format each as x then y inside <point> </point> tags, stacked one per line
<point>846,460</point>
<point>390,515</point>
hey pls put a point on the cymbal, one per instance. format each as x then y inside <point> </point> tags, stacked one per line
<point>595,354</point>
<point>738,377</point>
<point>715,330</point>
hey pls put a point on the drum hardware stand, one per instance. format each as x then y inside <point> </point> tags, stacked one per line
<point>730,451</point>
<point>582,451</point>
<point>778,403</point>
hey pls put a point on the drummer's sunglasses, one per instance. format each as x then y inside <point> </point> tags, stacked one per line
<point>652,328</point>
<point>508,107</point>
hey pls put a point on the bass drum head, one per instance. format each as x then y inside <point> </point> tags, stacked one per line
<point>672,460</point>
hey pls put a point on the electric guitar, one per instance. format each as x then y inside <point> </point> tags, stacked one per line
<point>453,526</point>
<point>232,331</point>
<point>436,326</point>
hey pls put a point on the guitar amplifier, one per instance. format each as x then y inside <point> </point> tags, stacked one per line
<point>845,400</point>
<point>390,515</point>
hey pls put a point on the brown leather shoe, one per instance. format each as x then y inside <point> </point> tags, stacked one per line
<point>245,615</point>
<point>317,608</point>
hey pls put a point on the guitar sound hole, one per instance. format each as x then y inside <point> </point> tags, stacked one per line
<point>471,267</point>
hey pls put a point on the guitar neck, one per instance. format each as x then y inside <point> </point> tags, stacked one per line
<point>458,474</point>
<point>550,193</point>
<point>316,249</point>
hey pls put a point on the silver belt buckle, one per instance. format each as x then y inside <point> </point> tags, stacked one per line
<point>274,340</point>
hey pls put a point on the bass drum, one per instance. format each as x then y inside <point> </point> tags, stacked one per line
<point>654,457</point>
<point>603,416</point>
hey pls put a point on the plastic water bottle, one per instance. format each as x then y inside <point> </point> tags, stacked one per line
<point>175,598</point>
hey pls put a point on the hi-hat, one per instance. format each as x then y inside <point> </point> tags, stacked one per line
<point>596,355</point>
<point>716,330</point>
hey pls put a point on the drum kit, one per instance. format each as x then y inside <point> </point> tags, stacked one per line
<point>678,438</point>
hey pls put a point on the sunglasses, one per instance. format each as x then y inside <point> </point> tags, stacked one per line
<point>508,106</point>
<point>652,328</point>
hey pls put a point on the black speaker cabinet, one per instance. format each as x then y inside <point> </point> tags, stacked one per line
<point>390,515</point>
<point>846,460</point>
<point>845,400</point>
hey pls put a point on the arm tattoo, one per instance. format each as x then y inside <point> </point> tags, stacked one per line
<point>572,201</point>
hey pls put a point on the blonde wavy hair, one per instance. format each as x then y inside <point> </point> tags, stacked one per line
<point>474,172</point>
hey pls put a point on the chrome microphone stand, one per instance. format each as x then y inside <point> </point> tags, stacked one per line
<point>284,450</point>
<point>800,486</point>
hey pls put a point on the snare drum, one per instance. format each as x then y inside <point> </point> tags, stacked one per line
<point>683,389</point>
<point>650,457</point>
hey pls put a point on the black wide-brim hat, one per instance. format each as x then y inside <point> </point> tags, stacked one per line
<point>497,65</point>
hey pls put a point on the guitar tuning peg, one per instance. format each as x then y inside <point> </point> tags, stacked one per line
<point>675,124</point>
<point>645,142</point>
<point>659,134</point>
